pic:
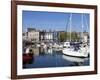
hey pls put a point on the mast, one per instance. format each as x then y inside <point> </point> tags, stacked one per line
<point>87,27</point>
<point>82,27</point>
<point>70,25</point>
<point>66,28</point>
<point>66,31</point>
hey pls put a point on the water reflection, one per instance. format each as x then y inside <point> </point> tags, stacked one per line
<point>49,57</point>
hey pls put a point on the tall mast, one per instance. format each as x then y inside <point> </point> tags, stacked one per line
<point>82,27</point>
<point>87,27</point>
<point>70,25</point>
<point>66,28</point>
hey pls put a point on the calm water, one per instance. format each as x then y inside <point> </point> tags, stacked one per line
<point>43,58</point>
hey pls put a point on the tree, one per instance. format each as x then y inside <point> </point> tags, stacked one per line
<point>61,37</point>
<point>65,36</point>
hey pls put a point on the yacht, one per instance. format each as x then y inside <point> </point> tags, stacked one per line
<point>73,59</point>
<point>83,51</point>
<point>66,45</point>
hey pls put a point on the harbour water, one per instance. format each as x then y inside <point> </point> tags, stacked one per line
<point>44,58</point>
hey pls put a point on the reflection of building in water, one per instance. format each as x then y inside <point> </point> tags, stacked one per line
<point>35,51</point>
<point>50,51</point>
<point>42,50</point>
<point>46,51</point>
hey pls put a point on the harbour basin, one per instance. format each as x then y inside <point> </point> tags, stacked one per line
<point>44,58</point>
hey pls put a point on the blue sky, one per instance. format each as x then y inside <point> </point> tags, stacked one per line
<point>57,21</point>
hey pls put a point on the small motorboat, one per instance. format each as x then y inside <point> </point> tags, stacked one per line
<point>27,58</point>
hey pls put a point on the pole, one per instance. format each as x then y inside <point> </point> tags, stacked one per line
<point>82,27</point>
<point>70,25</point>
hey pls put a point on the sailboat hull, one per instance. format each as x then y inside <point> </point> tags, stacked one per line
<point>73,59</point>
<point>75,53</point>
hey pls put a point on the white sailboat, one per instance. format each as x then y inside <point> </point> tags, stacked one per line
<point>82,52</point>
<point>73,59</point>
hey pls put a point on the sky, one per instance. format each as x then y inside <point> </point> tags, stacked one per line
<point>55,21</point>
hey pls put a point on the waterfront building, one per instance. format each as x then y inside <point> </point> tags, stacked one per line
<point>55,36</point>
<point>33,36</point>
<point>85,37</point>
<point>25,36</point>
<point>31,29</point>
<point>48,36</point>
<point>42,36</point>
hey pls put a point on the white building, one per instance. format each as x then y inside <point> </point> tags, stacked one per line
<point>25,36</point>
<point>85,37</point>
<point>33,36</point>
<point>48,36</point>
